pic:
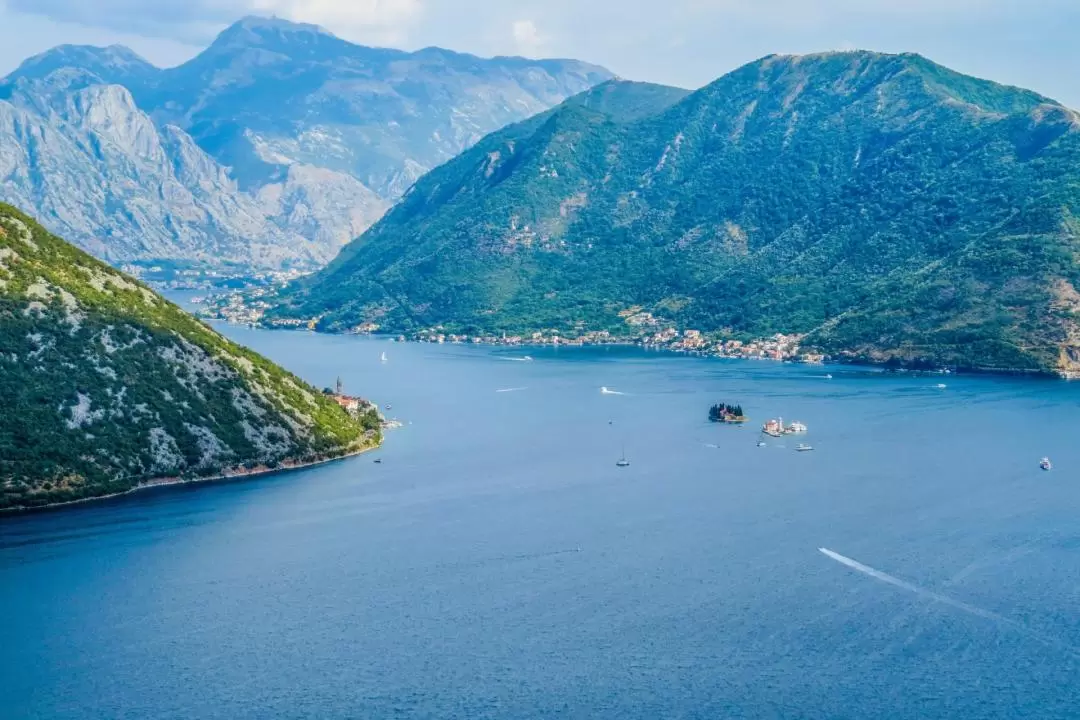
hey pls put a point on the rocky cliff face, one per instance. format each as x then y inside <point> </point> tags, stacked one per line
<point>272,148</point>
<point>85,157</point>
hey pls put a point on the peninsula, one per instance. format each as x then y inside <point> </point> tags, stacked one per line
<point>108,387</point>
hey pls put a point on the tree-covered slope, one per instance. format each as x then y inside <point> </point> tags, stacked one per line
<point>107,385</point>
<point>882,205</point>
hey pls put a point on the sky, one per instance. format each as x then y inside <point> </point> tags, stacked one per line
<point>1030,43</point>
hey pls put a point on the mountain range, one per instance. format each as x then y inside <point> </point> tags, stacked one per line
<point>108,386</point>
<point>270,149</point>
<point>881,207</point>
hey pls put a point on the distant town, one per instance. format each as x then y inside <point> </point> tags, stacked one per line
<point>643,330</point>
<point>167,277</point>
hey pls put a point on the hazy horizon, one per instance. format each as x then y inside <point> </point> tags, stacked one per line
<point>687,43</point>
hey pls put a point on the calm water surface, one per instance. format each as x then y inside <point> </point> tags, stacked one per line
<point>497,564</point>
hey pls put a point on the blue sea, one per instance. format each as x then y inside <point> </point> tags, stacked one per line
<point>497,564</point>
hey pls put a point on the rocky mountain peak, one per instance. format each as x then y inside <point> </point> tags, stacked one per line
<point>276,35</point>
<point>112,64</point>
<point>279,135</point>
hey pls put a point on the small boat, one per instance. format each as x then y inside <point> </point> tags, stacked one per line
<point>803,447</point>
<point>1045,464</point>
<point>941,386</point>
<point>829,376</point>
<point>378,461</point>
<point>761,443</point>
<point>387,406</point>
<point>622,461</point>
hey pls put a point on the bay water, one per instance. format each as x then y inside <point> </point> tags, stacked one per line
<point>497,564</point>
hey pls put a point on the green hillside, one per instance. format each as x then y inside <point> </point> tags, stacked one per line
<point>107,385</point>
<point>883,206</point>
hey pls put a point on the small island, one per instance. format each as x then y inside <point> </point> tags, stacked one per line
<point>725,413</point>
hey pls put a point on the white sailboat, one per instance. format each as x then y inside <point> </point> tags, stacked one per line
<point>622,461</point>
<point>382,358</point>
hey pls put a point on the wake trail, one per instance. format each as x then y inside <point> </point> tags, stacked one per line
<point>534,556</point>
<point>945,600</point>
<point>506,390</point>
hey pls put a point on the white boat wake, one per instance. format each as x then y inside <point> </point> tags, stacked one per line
<point>945,600</point>
<point>524,358</point>
<point>505,390</point>
<point>609,391</point>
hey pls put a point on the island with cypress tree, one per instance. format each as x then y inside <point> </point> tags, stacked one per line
<point>725,413</point>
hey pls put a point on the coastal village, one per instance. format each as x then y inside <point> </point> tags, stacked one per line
<point>643,330</point>
<point>357,406</point>
<point>351,404</point>
<point>778,347</point>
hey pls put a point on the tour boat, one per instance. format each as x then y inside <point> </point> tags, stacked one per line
<point>774,428</point>
<point>801,447</point>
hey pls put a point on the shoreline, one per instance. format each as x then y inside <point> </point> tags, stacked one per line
<point>230,474</point>
<point>834,360</point>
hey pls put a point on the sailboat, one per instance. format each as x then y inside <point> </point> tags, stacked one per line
<point>622,461</point>
<point>383,358</point>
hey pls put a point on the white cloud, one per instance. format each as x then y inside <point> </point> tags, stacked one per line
<point>527,38</point>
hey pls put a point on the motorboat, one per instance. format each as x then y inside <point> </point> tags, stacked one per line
<point>1045,464</point>
<point>803,447</point>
